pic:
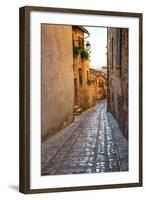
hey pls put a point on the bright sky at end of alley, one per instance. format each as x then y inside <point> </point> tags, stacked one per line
<point>98,41</point>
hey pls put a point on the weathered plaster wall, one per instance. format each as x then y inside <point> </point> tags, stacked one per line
<point>57,78</point>
<point>118,76</point>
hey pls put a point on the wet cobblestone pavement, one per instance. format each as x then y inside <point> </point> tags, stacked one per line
<point>92,143</point>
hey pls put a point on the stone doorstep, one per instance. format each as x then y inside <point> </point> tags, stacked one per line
<point>77,113</point>
<point>76,106</point>
<point>77,110</point>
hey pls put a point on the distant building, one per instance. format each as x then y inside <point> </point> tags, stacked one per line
<point>117,61</point>
<point>101,84</point>
<point>101,87</point>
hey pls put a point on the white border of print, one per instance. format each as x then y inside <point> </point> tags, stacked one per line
<point>132,176</point>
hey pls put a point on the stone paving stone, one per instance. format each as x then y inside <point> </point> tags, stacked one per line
<point>93,143</point>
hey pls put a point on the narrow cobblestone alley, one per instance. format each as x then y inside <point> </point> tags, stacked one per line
<point>92,143</point>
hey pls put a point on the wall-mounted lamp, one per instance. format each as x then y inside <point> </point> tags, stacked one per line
<point>88,45</point>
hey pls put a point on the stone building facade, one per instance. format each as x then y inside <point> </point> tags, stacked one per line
<point>117,62</point>
<point>85,93</point>
<point>101,86</point>
<point>100,78</point>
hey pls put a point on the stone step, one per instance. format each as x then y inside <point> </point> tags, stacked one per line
<point>77,110</point>
<point>76,107</point>
<point>75,113</point>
